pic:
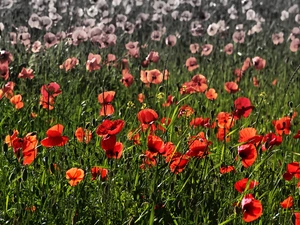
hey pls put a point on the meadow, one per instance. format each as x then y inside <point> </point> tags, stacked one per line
<point>149,112</point>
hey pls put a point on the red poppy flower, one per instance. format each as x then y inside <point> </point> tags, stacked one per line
<point>134,136</point>
<point>47,102</point>
<point>296,136</point>
<point>54,137</point>
<point>115,152</point>
<point>17,101</point>
<point>105,100</point>
<point>149,159</point>
<point>168,149</point>
<point>164,123</point>
<point>108,142</point>
<point>141,97</point>
<point>26,73</point>
<point>248,154</point>
<point>255,82</point>
<point>222,134</point>
<point>244,183</point>
<point>147,116</point>
<point>297,218</point>
<point>178,162</point>
<point>246,65</point>
<point>74,175</point>
<point>153,57</point>
<point>83,135</point>
<point>110,127</point>
<point>282,125</point>
<point>155,144</point>
<point>198,148</point>
<point>52,89</point>
<point>252,208</point>
<point>248,135</point>
<point>270,140</point>
<point>242,107</point>
<point>287,203</point>
<point>170,100</point>
<point>231,87</point>
<point>199,121</point>
<point>97,171</point>
<point>259,63</point>
<point>26,147</point>
<point>227,169</point>
<point>293,170</point>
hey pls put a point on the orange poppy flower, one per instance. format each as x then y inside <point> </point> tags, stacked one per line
<point>246,65</point>
<point>83,135</point>
<point>231,87</point>
<point>47,102</point>
<point>244,183</point>
<point>252,208</point>
<point>54,137</point>
<point>185,111</point>
<point>283,125</point>
<point>134,136</point>
<point>225,120</point>
<point>26,73</point>
<point>10,138</point>
<point>141,97</point>
<point>259,63</point>
<point>154,76</point>
<point>227,169</point>
<point>17,101</point>
<point>106,97</point>
<point>170,100</point>
<point>222,134</point>
<point>287,203</point>
<point>127,79</point>
<point>211,94</point>
<point>74,175</point>
<point>26,147</point>
<point>255,82</point>
<point>274,82</point>
<point>69,64</point>
<point>166,74</point>
<point>198,148</point>
<point>97,171</point>
<point>8,89</point>
<point>147,116</point>
<point>191,64</point>
<point>93,62</point>
<point>248,154</point>
<point>249,136</point>
<point>238,73</point>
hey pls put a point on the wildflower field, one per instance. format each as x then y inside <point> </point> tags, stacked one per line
<point>149,112</point>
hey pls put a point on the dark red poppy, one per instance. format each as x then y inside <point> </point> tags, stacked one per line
<point>115,152</point>
<point>108,142</point>
<point>155,144</point>
<point>270,140</point>
<point>147,116</point>
<point>252,208</point>
<point>54,137</point>
<point>248,154</point>
<point>242,107</point>
<point>293,170</point>
<point>244,183</point>
<point>296,136</point>
<point>110,127</point>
